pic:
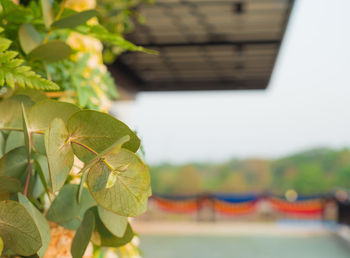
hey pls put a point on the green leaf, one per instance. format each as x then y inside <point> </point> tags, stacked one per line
<point>11,112</point>
<point>14,163</point>
<point>75,19</point>
<point>106,238</point>
<point>12,71</point>
<point>42,113</point>
<point>59,153</point>
<point>48,14</point>
<point>29,37</point>
<point>9,185</point>
<point>115,223</point>
<point>128,195</point>
<point>14,140</point>
<point>97,131</point>
<point>101,33</point>
<point>52,51</point>
<point>114,148</point>
<point>43,175</point>
<point>40,221</point>
<point>83,235</point>
<point>4,44</point>
<point>18,229</point>
<point>65,207</point>
<point>34,95</point>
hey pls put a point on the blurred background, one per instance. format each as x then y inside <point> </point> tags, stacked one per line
<point>244,119</point>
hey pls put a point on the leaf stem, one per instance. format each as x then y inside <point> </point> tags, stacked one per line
<point>56,18</point>
<point>29,172</point>
<point>84,146</point>
<point>94,152</point>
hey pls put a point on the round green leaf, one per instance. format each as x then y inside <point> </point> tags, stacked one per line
<point>34,95</point>
<point>65,207</point>
<point>51,51</point>
<point>97,131</point>
<point>18,229</point>
<point>42,113</point>
<point>40,222</point>
<point>29,37</point>
<point>74,20</point>
<point>59,153</point>
<point>106,238</point>
<point>113,222</point>
<point>130,191</point>
<point>83,235</point>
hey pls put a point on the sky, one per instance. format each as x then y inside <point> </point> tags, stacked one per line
<point>306,105</point>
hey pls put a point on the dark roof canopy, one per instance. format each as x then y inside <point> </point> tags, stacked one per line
<point>205,45</point>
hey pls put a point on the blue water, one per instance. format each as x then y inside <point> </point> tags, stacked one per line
<point>244,247</point>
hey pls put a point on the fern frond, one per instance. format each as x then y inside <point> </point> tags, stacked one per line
<point>12,71</point>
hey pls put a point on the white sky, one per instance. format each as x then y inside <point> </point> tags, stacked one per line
<point>306,105</point>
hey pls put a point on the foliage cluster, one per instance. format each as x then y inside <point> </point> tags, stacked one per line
<point>310,172</point>
<point>61,163</point>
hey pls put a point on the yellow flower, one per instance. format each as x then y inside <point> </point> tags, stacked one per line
<point>81,5</point>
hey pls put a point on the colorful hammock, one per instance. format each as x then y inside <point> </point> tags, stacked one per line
<point>309,207</point>
<point>178,206</point>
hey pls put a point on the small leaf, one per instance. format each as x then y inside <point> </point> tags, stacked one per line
<point>47,10</point>
<point>59,153</point>
<point>128,195</point>
<point>65,207</point>
<point>83,235</point>
<point>18,229</point>
<point>97,131</point>
<point>40,222</point>
<point>113,222</point>
<point>29,37</point>
<point>52,51</point>
<point>75,19</point>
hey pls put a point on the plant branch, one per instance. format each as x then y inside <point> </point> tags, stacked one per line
<point>11,129</point>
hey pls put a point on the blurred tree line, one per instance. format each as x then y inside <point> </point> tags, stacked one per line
<point>310,172</point>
